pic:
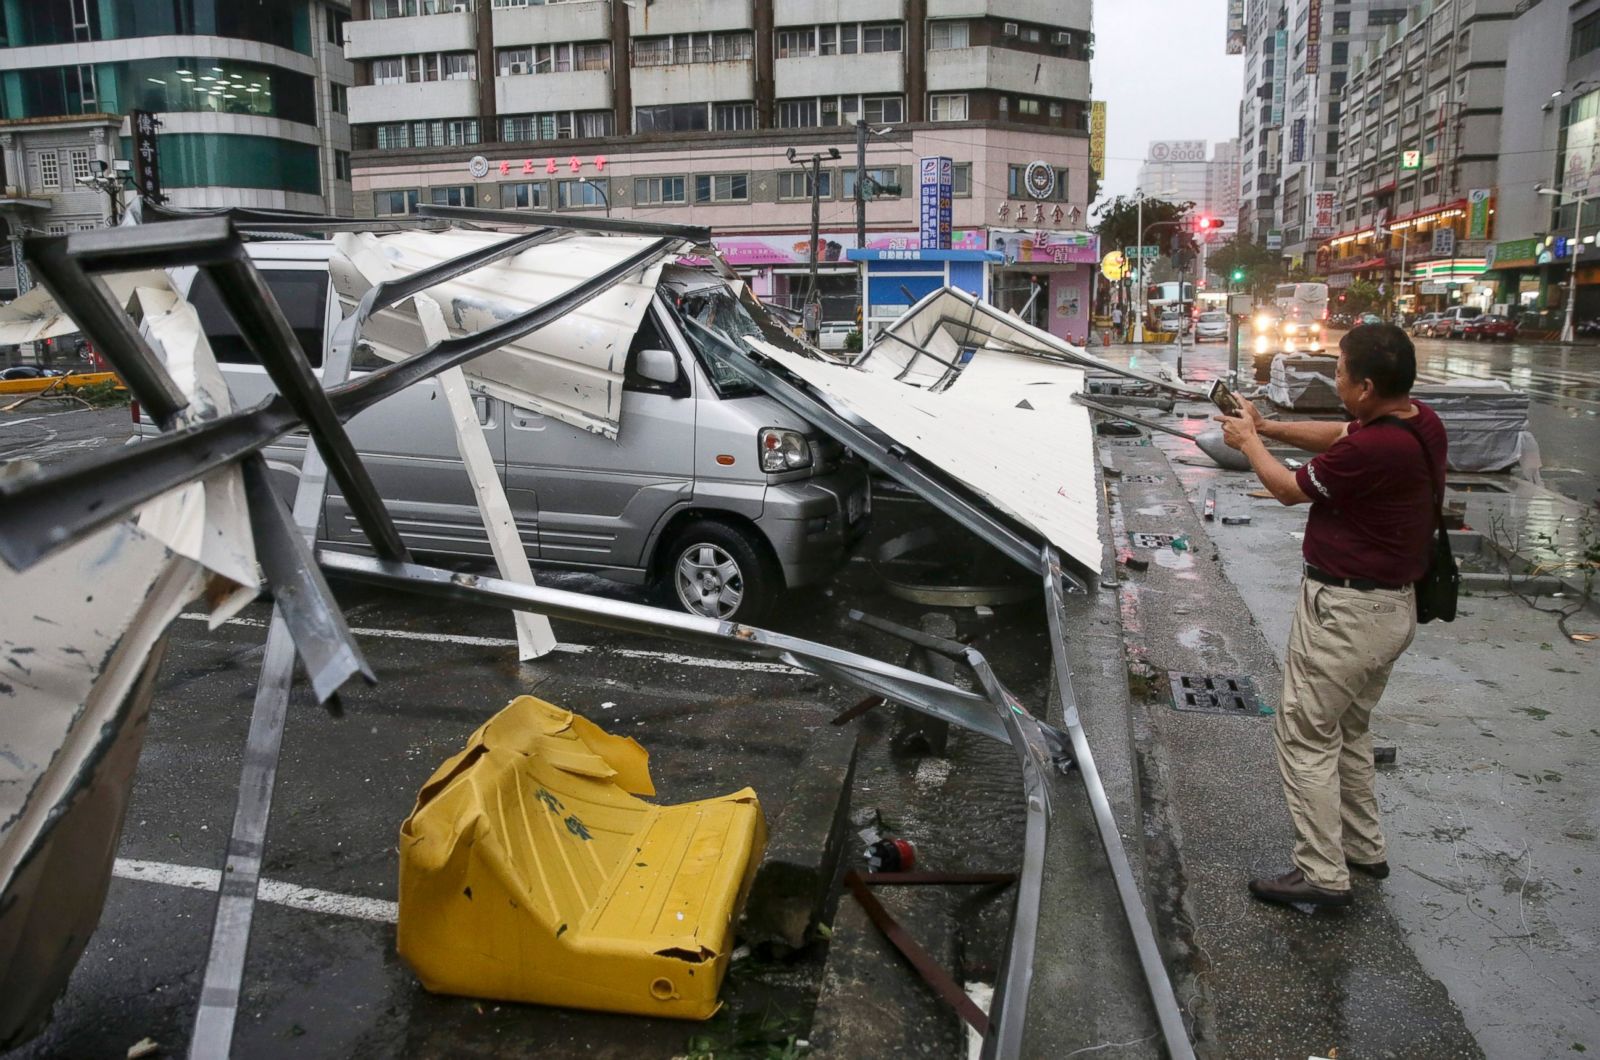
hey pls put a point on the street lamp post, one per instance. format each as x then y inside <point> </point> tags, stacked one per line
<point>599,190</point>
<point>1568,330</point>
<point>811,315</point>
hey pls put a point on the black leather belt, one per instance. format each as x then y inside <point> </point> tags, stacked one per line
<point>1362,584</point>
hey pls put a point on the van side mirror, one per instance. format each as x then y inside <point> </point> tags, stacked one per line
<point>658,366</point>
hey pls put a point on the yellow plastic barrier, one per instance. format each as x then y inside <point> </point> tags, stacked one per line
<point>530,871</point>
<point>32,386</point>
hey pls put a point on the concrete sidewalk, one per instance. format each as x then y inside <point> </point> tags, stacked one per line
<point>1481,941</point>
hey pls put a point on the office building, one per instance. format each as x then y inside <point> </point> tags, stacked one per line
<point>251,97</point>
<point>685,111</point>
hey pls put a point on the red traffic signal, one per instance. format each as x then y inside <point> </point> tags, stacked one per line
<point>1205,223</point>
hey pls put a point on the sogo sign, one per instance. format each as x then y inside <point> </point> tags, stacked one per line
<point>1178,151</point>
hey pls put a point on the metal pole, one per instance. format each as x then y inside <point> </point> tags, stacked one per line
<point>1568,332</point>
<point>861,226</point>
<point>814,320</point>
<point>1138,321</point>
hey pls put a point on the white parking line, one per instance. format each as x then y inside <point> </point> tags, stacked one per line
<point>311,899</point>
<point>671,658</point>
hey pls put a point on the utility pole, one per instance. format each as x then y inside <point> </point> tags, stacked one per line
<point>811,313</point>
<point>1138,321</point>
<point>861,226</point>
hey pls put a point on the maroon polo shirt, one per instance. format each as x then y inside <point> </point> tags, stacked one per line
<point>1372,500</point>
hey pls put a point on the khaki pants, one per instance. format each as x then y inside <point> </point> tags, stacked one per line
<point>1342,647</point>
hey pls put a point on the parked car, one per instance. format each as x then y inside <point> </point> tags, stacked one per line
<point>1423,325</point>
<point>683,494</point>
<point>1490,326</point>
<point>835,334</point>
<point>1173,323</point>
<point>28,371</point>
<point>1452,320</point>
<point>1370,318</point>
<point>1213,325</point>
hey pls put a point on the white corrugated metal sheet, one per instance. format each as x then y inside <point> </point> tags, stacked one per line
<point>570,370</point>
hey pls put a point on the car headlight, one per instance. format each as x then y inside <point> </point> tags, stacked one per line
<point>1263,322</point>
<point>1262,346</point>
<point>1316,329</point>
<point>783,450</point>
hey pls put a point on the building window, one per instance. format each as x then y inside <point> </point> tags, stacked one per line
<point>961,180</point>
<point>1027,106</point>
<point>796,184</point>
<point>334,21</point>
<point>693,48</point>
<point>730,117</point>
<point>390,203</point>
<point>79,158</point>
<point>557,126</point>
<point>670,117</point>
<point>596,123</point>
<point>532,195</point>
<point>582,194</point>
<point>388,71</point>
<point>339,98</point>
<point>1017,184</point>
<point>881,109</point>
<point>459,195</point>
<point>653,191</point>
<point>341,165</point>
<point>1055,110</point>
<point>797,113</point>
<point>1030,35</point>
<point>49,169</point>
<point>56,229</point>
<point>793,43</point>
<point>1585,36</point>
<point>413,8</point>
<point>883,37</point>
<point>878,180</point>
<point>722,187</point>
<point>945,36</point>
<point>947,107</point>
<point>455,133</point>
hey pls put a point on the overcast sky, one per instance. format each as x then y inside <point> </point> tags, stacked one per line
<point>1160,68</point>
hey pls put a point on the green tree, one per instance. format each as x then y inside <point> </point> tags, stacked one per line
<point>1262,268</point>
<point>1360,296</point>
<point>1119,223</point>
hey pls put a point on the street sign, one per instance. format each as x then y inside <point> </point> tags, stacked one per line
<point>1113,266</point>
<point>1410,159</point>
<point>1444,242</point>
<point>1275,239</point>
<point>1149,250</point>
<point>146,156</point>
<point>936,188</point>
<point>1478,213</point>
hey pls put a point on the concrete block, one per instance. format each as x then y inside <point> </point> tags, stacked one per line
<point>804,844</point>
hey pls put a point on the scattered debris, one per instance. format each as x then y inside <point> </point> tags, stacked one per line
<point>143,1047</point>
<point>891,855</point>
<point>1265,495</point>
<point>1210,504</point>
<point>1383,756</point>
<point>1235,520</point>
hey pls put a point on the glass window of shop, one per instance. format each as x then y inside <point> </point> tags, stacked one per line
<point>205,160</point>
<point>279,22</point>
<point>222,86</point>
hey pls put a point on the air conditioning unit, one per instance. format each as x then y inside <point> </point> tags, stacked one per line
<point>461,9</point>
<point>1009,29</point>
<point>1063,37</point>
<point>518,68</point>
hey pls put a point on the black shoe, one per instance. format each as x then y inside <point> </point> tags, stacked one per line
<point>1292,889</point>
<point>1378,870</point>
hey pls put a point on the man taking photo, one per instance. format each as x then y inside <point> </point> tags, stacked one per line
<point>1373,489</point>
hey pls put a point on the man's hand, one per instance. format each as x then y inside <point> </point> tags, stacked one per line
<point>1237,431</point>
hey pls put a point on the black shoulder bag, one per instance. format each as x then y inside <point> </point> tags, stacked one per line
<point>1436,592</point>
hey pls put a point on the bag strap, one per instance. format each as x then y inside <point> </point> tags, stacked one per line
<point>1435,480</point>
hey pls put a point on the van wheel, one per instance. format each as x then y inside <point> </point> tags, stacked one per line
<point>720,571</point>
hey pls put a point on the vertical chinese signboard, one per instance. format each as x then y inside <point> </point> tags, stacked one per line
<point>1478,213</point>
<point>1322,211</point>
<point>1097,139</point>
<point>1235,27</point>
<point>1314,36</point>
<point>1280,71</point>
<point>1297,141</point>
<point>146,155</point>
<point>937,180</point>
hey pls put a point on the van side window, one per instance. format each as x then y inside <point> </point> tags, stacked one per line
<point>649,337</point>
<point>302,295</point>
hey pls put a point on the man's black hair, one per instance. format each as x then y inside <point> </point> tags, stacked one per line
<point>1383,354</point>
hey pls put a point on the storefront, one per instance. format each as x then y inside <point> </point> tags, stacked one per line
<point>1046,277</point>
<point>898,279</point>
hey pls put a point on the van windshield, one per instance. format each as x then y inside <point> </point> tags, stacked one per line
<point>716,309</point>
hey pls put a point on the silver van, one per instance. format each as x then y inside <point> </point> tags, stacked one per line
<point>712,492</point>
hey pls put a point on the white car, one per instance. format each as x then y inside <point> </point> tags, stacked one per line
<point>834,334</point>
<point>1211,326</point>
<point>1174,324</point>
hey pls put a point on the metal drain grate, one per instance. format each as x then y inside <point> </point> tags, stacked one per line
<point>1215,694</point>
<point>1127,441</point>
<point>1141,478</point>
<point>1152,540</point>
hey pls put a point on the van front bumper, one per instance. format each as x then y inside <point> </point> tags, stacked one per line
<point>809,524</point>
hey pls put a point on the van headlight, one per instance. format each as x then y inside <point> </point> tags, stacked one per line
<point>1262,345</point>
<point>783,450</point>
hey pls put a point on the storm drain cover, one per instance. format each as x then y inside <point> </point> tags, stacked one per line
<point>1140,478</point>
<point>1152,540</point>
<point>1215,694</point>
<point>1128,441</point>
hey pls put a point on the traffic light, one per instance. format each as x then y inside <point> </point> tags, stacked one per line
<point>1238,275</point>
<point>1206,223</point>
